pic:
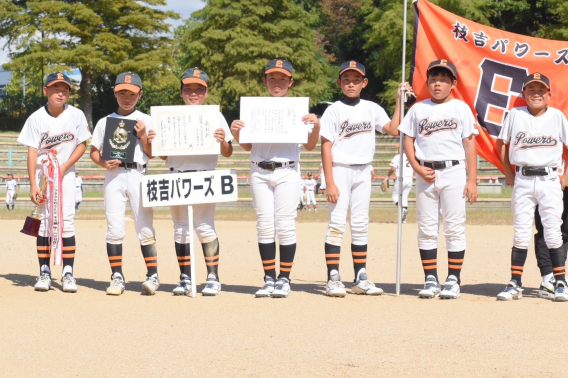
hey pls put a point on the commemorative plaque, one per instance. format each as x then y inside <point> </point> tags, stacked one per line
<point>120,140</point>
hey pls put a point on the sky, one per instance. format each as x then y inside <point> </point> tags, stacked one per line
<point>183,7</point>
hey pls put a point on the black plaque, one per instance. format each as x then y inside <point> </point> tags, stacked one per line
<point>120,140</point>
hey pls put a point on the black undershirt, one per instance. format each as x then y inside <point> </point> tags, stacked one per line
<point>350,101</point>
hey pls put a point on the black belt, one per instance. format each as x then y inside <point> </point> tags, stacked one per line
<point>130,165</point>
<point>439,164</point>
<point>173,170</point>
<point>272,165</point>
<point>535,171</point>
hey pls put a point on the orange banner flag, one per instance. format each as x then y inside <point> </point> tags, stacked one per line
<point>491,65</point>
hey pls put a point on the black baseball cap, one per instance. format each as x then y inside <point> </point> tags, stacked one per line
<point>444,63</point>
<point>58,77</point>
<point>536,77</point>
<point>11,174</point>
<point>129,81</point>
<point>279,65</point>
<point>352,65</point>
<point>195,75</point>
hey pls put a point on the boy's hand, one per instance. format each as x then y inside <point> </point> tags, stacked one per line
<point>236,127</point>
<point>510,178</point>
<point>36,195</point>
<point>470,192</point>
<point>112,164</point>
<point>311,118</point>
<point>140,128</point>
<point>151,135</point>
<point>407,89</point>
<point>564,181</point>
<point>332,193</point>
<point>428,174</point>
<point>63,168</point>
<point>219,135</point>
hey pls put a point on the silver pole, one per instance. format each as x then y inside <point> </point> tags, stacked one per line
<point>401,159</point>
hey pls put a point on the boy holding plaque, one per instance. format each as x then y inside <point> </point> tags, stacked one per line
<point>274,183</point>
<point>121,137</point>
<point>194,91</point>
<point>56,136</point>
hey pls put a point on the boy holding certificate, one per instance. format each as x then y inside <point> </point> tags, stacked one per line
<point>274,184</point>
<point>194,91</point>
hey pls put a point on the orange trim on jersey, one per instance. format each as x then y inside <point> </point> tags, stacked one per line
<point>111,258</point>
<point>211,258</point>
<point>185,263</point>
<point>44,255</point>
<point>71,248</point>
<point>270,267</point>
<point>359,253</point>
<point>332,255</point>
<point>429,261</point>
<point>455,266</point>
<point>269,261</point>
<point>455,260</point>
<point>328,262</point>
<point>151,264</point>
<point>43,248</point>
<point>67,255</point>
<point>116,264</point>
<point>430,267</point>
<point>282,263</point>
<point>285,269</point>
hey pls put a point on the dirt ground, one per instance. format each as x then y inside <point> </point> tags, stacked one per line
<point>305,335</point>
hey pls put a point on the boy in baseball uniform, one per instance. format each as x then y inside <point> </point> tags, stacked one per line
<point>301,199</point>
<point>194,91</point>
<point>11,191</point>
<point>407,177</point>
<point>309,189</point>
<point>274,183</point>
<point>122,181</point>
<point>348,147</point>
<point>440,146</point>
<point>79,191</point>
<point>56,136</point>
<point>532,139</point>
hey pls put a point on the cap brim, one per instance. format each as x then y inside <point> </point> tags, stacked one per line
<point>536,81</point>
<point>455,74</point>
<point>59,81</point>
<point>191,80</point>
<point>352,69</point>
<point>128,87</point>
<point>281,70</point>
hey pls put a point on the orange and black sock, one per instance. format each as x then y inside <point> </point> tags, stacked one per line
<point>43,254</point>
<point>455,262</point>
<point>287,253</point>
<point>184,258</point>
<point>68,255</point>
<point>430,262</point>
<point>114,252</point>
<point>558,257</point>
<point>359,253</point>
<point>151,258</point>
<point>268,257</point>
<point>211,253</point>
<point>518,259</point>
<point>332,254</point>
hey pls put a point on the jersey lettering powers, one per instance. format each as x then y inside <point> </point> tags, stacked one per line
<point>350,130</point>
<point>535,141</point>
<point>439,129</point>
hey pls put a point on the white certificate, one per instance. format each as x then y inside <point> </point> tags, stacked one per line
<point>185,130</point>
<point>274,119</point>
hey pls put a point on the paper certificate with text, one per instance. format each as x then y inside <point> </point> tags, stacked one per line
<point>274,119</point>
<point>185,130</point>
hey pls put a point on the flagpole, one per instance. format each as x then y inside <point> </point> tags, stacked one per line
<point>401,158</point>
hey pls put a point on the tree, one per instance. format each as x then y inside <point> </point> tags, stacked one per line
<point>233,40</point>
<point>96,37</point>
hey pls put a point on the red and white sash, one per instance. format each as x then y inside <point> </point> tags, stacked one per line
<point>51,171</point>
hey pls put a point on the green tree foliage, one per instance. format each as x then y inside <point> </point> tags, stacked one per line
<point>233,40</point>
<point>97,37</point>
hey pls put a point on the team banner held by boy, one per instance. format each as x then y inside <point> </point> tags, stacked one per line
<point>491,64</point>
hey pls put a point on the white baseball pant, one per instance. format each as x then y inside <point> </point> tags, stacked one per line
<point>273,200</point>
<point>322,180</point>
<point>406,188</point>
<point>203,223</point>
<point>68,197</point>
<point>10,197</point>
<point>302,200</point>
<point>78,195</point>
<point>354,184</point>
<point>121,183</point>
<point>546,192</point>
<point>310,198</point>
<point>445,193</point>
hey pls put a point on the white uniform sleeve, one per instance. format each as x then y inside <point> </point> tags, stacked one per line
<point>147,121</point>
<point>99,134</point>
<point>563,128</point>
<point>328,124</point>
<point>30,135</point>
<point>381,119</point>
<point>225,126</point>
<point>505,133</point>
<point>394,161</point>
<point>83,132</point>
<point>407,126</point>
<point>467,120</point>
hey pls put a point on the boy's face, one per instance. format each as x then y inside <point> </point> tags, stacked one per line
<point>440,86</point>
<point>278,83</point>
<point>194,94</point>
<point>536,95</point>
<point>126,99</point>
<point>57,94</point>
<point>352,83</point>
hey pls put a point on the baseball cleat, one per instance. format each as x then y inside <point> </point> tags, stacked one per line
<point>281,288</point>
<point>116,286</point>
<point>451,288</point>
<point>513,291</point>
<point>335,287</point>
<point>151,284</point>
<point>546,290</point>
<point>212,288</point>
<point>183,288</point>
<point>366,287</point>
<point>267,289</point>
<point>43,282</point>
<point>69,284</point>
<point>560,294</point>
<point>431,289</point>
<point>404,213</point>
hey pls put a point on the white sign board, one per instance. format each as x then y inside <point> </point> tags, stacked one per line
<point>274,119</point>
<point>185,130</point>
<point>189,188</point>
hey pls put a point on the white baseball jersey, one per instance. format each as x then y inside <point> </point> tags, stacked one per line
<point>351,129</point>
<point>11,185</point>
<point>78,182</point>
<point>98,136</point>
<point>310,184</point>
<point>407,172</point>
<point>63,133</point>
<point>199,162</point>
<point>535,141</point>
<point>439,129</point>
